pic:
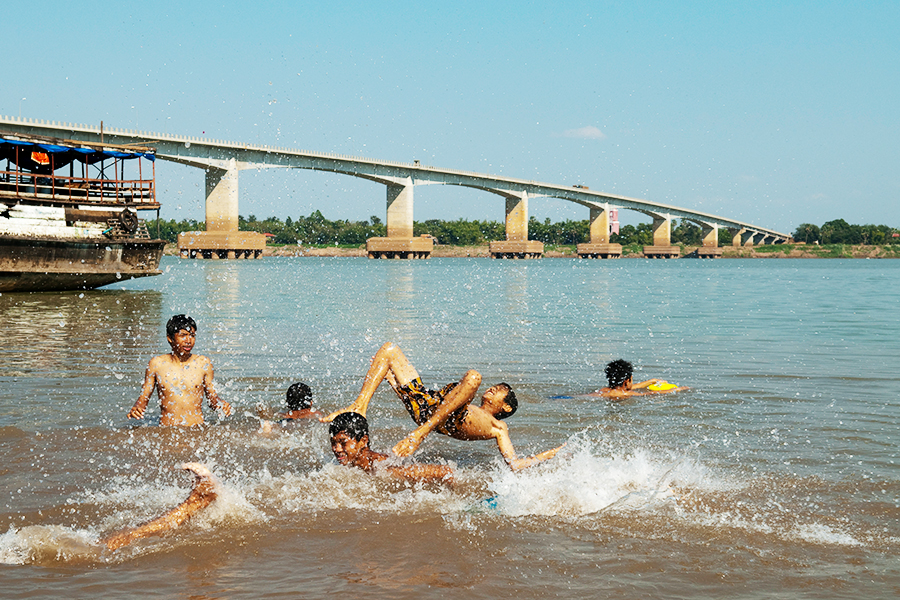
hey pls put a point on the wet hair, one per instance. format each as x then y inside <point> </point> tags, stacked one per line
<point>179,322</point>
<point>618,372</point>
<point>351,423</point>
<point>299,396</point>
<point>511,400</point>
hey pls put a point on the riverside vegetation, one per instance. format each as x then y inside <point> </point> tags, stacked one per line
<point>462,237</point>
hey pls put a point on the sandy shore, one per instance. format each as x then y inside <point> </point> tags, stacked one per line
<point>782,251</point>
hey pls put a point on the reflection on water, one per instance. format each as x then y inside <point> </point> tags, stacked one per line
<point>774,476</point>
<point>60,349</point>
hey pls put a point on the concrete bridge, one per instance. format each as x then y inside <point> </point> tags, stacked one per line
<point>222,161</point>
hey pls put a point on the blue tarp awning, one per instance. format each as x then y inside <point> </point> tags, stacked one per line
<point>62,155</point>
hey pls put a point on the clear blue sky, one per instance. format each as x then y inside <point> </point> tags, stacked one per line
<point>774,113</point>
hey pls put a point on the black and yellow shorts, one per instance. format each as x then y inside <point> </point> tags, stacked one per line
<point>421,403</point>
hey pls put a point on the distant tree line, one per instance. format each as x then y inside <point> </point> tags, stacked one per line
<point>316,230</point>
<point>841,232</point>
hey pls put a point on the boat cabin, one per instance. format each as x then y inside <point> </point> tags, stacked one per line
<point>63,172</point>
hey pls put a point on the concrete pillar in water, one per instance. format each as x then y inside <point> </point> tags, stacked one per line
<point>399,243</point>
<point>662,239</point>
<point>221,238</point>
<point>517,217</point>
<point>599,225</point>
<point>710,236</point>
<point>517,244</point>
<point>400,209</point>
<point>599,246</point>
<point>710,246</point>
<point>222,198</point>
<point>662,231</point>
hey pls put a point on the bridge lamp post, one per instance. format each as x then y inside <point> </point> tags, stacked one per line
<point>20,107</point>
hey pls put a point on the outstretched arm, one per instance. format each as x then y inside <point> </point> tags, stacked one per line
<point>643,384</point>
<point>212,397</point>
<point>423,472</point>
<point>501,434</point>
<point>140,407</point>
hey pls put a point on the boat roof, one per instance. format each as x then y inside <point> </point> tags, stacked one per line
<point>75,150</point>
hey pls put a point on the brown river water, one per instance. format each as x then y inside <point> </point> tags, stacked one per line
<point>774,476</point>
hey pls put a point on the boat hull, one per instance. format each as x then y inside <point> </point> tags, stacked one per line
<point>45,265</point>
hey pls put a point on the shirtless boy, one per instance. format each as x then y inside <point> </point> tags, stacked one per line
<point>447,411</point>
<point>350,444</point>
<point>618,376</point>
<point>299,401</point>
<point>180,379</point>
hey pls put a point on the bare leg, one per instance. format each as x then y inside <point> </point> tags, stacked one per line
<point>458,397</point>
<point>388,363</point>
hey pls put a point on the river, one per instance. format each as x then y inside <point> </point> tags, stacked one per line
<point>774,476</point>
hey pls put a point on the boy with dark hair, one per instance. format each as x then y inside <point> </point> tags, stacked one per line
<point>180,379</point>
<point>447,410</point>
<point>619,379</point>
<point>349,433</point>
<point>299,400</point>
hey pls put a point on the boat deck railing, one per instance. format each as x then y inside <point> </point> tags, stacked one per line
<point>55,188</point>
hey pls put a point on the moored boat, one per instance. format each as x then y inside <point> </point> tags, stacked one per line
<point>69,214</point>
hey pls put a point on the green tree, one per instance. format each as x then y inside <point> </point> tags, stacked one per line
<point>687,233</point>
<point>807,233</point>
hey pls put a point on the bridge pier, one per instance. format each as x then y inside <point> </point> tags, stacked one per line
<point>710,246</point>
<point>221,238</point>
<point>599,246</point>
<point>662,239</point>
<point>517,244</point>
<point>399,242</point>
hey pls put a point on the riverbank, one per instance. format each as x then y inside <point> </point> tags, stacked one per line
<point>770,251</point>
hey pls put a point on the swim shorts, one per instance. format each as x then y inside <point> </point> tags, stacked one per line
<point>421,403</point>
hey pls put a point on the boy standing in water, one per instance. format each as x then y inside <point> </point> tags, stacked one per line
<point>180,379</point>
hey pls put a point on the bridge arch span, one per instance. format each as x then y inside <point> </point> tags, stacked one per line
<point>223,160</point>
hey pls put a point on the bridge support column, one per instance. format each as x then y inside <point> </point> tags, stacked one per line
<point>599,246</point>
<point>710,247</point>
<point>748,237</point>
<point>221,199</point>
<point>221,238</point>
<point>517,244</point>
<point>662,239</point>
<point>399,242</point>
<point>400,210</point>
<point>736,235</point>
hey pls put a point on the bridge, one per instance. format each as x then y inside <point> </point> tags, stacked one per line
<point>223,160</point>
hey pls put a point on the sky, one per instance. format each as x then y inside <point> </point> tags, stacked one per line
<point>771,113</point>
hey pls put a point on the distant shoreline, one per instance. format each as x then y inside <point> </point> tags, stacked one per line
<point>770,251</point>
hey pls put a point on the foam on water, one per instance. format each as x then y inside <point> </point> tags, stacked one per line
<point>47,543</point>
<point>588,483</point>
